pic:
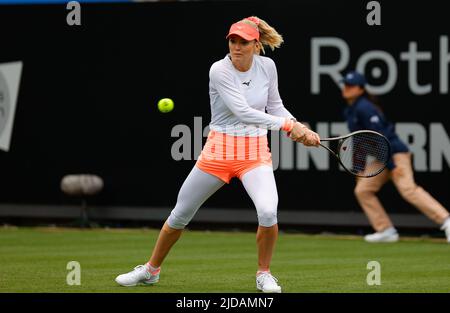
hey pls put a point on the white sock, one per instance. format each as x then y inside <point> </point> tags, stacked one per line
<point>261,272</point>
<point>151,269</point>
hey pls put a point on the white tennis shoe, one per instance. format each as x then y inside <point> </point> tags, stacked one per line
<point>446,227</point>
<point>267,283</point>
<point>388,235</point>
<point>140,275</point>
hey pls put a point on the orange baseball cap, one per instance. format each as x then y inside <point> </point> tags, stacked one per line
<point>244,30</point>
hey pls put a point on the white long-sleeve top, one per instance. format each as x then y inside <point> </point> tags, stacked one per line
<point>239,100</point>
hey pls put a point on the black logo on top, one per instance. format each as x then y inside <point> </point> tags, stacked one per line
<point>247,83</point>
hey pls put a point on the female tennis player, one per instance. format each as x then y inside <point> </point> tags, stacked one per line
<point>361,113</point>
<point>242,87</point>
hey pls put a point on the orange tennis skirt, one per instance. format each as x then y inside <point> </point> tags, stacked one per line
<point>226,156</point>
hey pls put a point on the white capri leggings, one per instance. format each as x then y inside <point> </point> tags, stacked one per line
<point>199,186</point>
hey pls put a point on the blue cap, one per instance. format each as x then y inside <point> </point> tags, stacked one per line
<point>354,78</point>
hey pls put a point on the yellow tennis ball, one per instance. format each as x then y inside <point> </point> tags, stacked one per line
<point>165,105</point>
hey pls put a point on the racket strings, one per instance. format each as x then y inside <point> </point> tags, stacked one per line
<point>365,154</point>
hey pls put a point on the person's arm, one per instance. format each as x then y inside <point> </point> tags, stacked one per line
<point>275,105</point>
<point>236,102</point>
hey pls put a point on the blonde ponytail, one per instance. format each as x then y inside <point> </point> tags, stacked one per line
<point>268,36</point>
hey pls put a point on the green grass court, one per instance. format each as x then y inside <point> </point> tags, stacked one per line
<point>35,259</point>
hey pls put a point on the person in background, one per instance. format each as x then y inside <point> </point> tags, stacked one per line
<point>362,113</point>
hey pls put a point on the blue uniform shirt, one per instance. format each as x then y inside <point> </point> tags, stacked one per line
<point>363,114</point>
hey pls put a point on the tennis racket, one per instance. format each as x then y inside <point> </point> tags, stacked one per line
<point>364,153</point>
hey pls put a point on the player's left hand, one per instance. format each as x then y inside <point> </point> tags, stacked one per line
<point>312,139</point>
